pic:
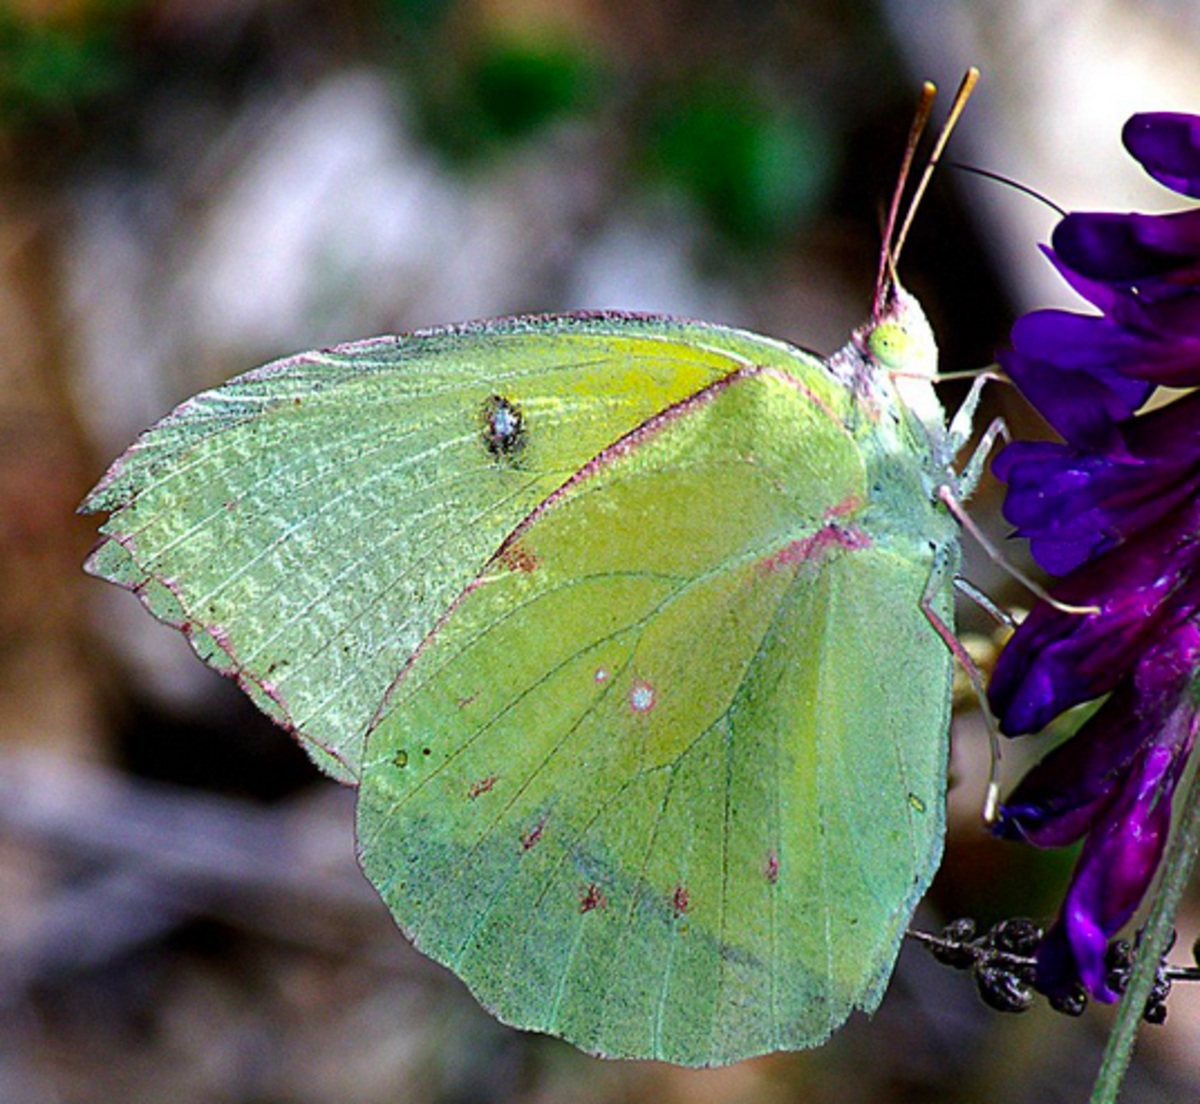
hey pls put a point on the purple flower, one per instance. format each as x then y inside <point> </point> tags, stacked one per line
<point>1112,783</point>
<point>1143,589</point>
<point>1085,372</point>
<point>1082,402</point>
<point>1159,255</point>
<point>1073,504</point>
<point>1168,146</point>
<point>1113,509</point>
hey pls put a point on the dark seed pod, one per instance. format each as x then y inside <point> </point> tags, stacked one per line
<point>1161,990</point>
<point>1072,1003</point>
<point>1162,983</point>
<point>961,930</point>
<point>1118,963</point>
<point>1026,971</point>
<point>1119,955</point>
<point>954,950</point>
<point>1018,936</point>
<point>1156,1013</point>
<point>1117,980</point>
<point>1002,990</point>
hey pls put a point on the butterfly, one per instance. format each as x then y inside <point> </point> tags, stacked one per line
<point>622,626</point>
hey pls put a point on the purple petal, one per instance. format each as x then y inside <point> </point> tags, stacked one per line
<point>1132,249</point>
<point>1096,292</point>
<point>1056,499</point>
<point>1168,146</point>
<point>1165,310</point>
<point>1073,504</point>
<point>1083,407</point>
<point>1114,779</point>
<point>1116,509</point>
<point>1143,588</point>
<point>1115,868</point>
<point>1103,348</point>
<point>1063,796</point>
<point>1176,316</point>
<point>1058,971</point>
<point>1059,799</point>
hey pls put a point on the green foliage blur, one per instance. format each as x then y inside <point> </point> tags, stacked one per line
<point>756,168</point>
<point>502,91</point>
<point>750,162</point>
<point>54,63</point>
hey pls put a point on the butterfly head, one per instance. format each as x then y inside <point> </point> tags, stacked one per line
<point>895,354</point>
<point>892,361</point>
<point>899,340</point>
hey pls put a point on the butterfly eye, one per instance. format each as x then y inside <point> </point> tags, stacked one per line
<point>890,345</point>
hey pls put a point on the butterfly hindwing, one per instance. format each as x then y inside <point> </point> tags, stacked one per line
<point>655,783</point>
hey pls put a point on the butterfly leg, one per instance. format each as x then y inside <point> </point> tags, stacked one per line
<point>984,601</point>
<point>953,501</point>
<point>972,471</point>
<point>939,576</point>
<point>936,584</point>
<point>958,433</point>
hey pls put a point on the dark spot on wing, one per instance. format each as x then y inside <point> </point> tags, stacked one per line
<point>680,900</point>
<point>592,898</point>
<point>529,839</point>
<point>502,427</point>
<point>516,557</point>
<point>484,785</point>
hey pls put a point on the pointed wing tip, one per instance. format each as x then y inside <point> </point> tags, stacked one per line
<point>91,564</point>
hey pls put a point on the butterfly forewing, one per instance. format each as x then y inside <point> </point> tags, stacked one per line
<point>307,524</point>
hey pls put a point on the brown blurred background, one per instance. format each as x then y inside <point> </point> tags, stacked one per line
<point>191,187</point>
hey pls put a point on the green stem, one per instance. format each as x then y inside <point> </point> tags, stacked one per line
<point>1176,871</point>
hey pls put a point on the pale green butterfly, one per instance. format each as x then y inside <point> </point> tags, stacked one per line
<point>621,626</point>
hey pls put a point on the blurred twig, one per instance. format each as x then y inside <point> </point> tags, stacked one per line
<point>143,858</point>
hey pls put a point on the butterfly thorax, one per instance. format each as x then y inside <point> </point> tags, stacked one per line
<point>888,367</point>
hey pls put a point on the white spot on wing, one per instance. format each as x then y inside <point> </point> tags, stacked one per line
<point>641,696</point>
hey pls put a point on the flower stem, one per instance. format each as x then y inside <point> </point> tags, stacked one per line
<point>1176,871</point>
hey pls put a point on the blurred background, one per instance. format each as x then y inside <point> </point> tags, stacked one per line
<point>189,188</point>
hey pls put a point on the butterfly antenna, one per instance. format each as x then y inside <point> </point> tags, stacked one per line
<point>887,266</point>
<point>1009,182</point>
<point>956,109</point>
